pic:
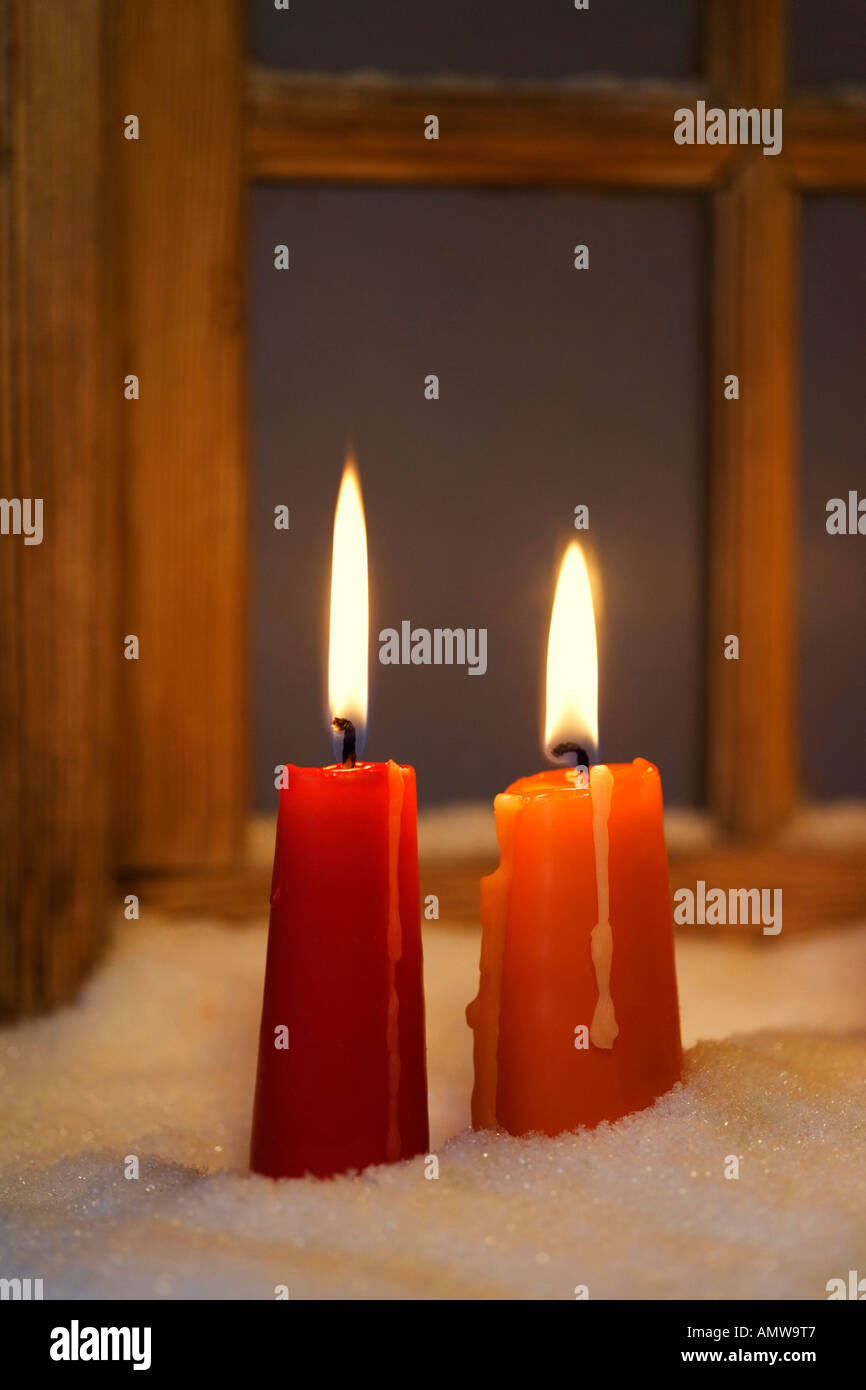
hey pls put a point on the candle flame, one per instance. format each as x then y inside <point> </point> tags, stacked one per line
<point>572,659</point>
<point>350,618</point>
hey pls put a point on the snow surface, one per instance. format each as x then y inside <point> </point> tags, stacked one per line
<point>156,1059</point>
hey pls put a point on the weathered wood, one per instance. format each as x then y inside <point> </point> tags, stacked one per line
<point>825,145</point>
<point>751,756</point>
<point>746,51</point>
<point>182,783</point>
<point>824,138</point>
<point>57,443</point>
<point>334,128</point>
<point>328,129</point>
<point>820,887</point>
<point>752,753</point>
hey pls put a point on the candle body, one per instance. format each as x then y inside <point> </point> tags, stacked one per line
<point>557,969</point>
<point>343,977</point>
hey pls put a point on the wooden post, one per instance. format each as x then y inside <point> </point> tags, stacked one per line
<point>181,793</point>
<point>57,445</point>
<point>752,770</point>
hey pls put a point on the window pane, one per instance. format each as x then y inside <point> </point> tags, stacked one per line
<point>828,42</point>
<point>833,567</point>
<point>546,38</point>
<point>558,388</point>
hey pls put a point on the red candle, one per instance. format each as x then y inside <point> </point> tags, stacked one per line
<point>342,1073</point>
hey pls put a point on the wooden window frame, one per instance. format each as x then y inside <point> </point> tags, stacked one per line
<point>300,128</point>
<point>154,759</point>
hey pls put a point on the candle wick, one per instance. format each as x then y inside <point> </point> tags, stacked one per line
<point>347,729</point>
<point>581,757</point>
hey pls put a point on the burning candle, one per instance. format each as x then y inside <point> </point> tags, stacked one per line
<point>342,1069</point>
<point>576,1018</point>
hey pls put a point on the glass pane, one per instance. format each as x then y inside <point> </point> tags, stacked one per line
<point>545,39</point>
<point>833,567</point>
<point>828,42</point>
<point>558,388</point>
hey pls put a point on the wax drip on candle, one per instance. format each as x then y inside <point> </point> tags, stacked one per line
<point>483,1013</point>
<point>347,729</point>
<point>395,951</point>
<point>603,1029</point>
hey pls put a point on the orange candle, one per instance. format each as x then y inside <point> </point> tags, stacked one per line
<point>576,1019</point>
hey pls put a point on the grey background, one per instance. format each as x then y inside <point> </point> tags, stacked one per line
<point>828,42</point>
<point>833,568</point>
<point>558,387</point>
<point>536,39</point>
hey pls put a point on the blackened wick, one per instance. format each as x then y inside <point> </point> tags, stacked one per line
<point>347,729</point>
